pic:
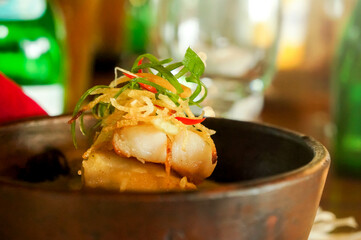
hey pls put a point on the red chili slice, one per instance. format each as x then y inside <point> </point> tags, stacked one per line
<point>148,87</point>
<point>128,75</point>
<point>190,121</point>
<point>142,85</point>
<point>139,63</point>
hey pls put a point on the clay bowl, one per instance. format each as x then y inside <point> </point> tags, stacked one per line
<point>270,184</point>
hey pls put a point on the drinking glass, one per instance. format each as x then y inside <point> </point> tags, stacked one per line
<point>239,40</point>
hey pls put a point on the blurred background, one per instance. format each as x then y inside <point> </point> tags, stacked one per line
<point>57,49</point>
<point>77,44</point>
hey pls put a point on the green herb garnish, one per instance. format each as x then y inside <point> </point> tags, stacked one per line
<point>191,69</point>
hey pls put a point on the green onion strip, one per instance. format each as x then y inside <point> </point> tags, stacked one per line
<point>78,111</point>
<point>191,68</point>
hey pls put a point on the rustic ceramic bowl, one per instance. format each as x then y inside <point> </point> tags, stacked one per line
<point>271,181</point>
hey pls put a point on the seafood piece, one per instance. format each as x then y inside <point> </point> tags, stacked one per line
<point>144,142</point>
<point>105,169</point>
<point>149,138</point>
<point>192,156</point>
<point>188,153</point>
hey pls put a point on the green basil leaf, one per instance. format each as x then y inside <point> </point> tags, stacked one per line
<point>193,63</point>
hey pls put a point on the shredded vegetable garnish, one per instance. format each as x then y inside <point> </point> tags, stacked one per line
<point>189,121</point>
<point>150,92</point>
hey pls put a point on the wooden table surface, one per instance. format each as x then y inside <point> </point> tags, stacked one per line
<point>299,101</point>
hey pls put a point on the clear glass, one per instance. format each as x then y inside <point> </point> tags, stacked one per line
<point>239,40</point>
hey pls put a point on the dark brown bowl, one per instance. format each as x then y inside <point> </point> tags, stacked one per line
<point>271,181</point>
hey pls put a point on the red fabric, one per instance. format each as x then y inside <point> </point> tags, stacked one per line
<point>14,104</point>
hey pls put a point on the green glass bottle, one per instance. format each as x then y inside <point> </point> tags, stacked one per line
<point>30,51</point>
<point>346,104</point>
<point>137,23</point>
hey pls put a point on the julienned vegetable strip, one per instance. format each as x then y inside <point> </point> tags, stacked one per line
<point>148,66</point>
<point>121,90</point>
<point>78,112</point>
<point>190,121</point>
<point>193,63</point>
<point>139,63</point>
<point>191,69</point>
<point>204,94</point>
<point>181,72</point>
<point>165,73</point>
<point>130,76</point>
<point>173,66</point>
<point>174,97</point>
<point>198,90</point>
<point>148,87</point>
<point>82,98</point>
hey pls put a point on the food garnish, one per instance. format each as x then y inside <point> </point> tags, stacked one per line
<point>190,121</point>
<point>145,118</point>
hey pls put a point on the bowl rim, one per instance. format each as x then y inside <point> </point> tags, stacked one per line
<point>320,161</point>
